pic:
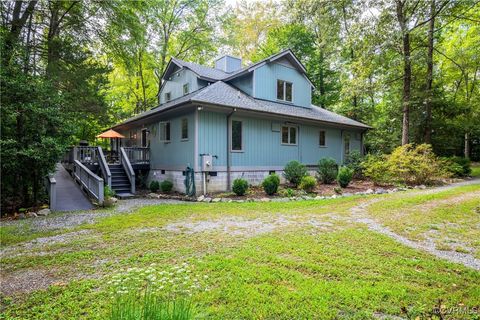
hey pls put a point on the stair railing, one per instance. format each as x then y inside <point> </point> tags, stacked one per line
<point>102,161</point>
<point>90,182</point>
<point>128,169</point>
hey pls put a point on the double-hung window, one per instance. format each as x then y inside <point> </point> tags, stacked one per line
<point>237,135</point>
<point>284,90</point>
<point>165,131</point>
<point>184,129</point>
<point>289,135</point>
<point>322,141</point>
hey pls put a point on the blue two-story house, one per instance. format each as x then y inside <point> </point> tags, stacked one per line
<point>232,121</point>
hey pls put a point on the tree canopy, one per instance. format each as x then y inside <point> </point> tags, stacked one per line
<point>70,69</point>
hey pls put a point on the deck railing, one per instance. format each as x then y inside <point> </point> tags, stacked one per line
<point>87,155</point>
<point>138,155</point>
<point>128,168</point>
<point>102,161</point>
<point>92,183</point>
<point>51,186</point>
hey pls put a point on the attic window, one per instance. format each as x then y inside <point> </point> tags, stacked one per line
<point>185,88</point>
<point>284,90</point>
<point>168,96</point>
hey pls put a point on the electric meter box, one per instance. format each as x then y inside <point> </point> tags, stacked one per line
<point>207,162</point>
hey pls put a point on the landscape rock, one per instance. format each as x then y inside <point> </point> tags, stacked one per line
<point>369,191</point>
<point>347,194</point>
<point>380,191</point>
<point>207,199</point>
<point>43,212</point>
<point>265,199</point>
<point>217,199</point>
<point>318,198</point>
<point>153,195</point>
<point>31,215</point>
<point>21,216</point>
<point>113,199</point>
<point>422,187</point>
<point>201,198</point>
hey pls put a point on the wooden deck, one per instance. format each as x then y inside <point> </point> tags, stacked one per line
<point>69,195</point>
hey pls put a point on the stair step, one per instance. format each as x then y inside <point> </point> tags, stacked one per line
<point>120,179</point>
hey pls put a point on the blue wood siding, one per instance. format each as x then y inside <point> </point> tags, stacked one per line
<point>265,83</point>
<point>176,153</point>
<point>244,83</point>
<point>176,82</point>
<point>262,145</point>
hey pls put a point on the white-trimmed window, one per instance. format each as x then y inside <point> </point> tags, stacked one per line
<point>168,96</point>
<point>184,129</point>
<point>164,131</point>
<point>322,138</point>
<point>289,135</point>
<point>346,144</point>
<point>237,135</point>
<point>284,90</point>
<point>185,88</point>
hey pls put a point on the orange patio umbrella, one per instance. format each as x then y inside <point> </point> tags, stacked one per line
<point>111,134</point>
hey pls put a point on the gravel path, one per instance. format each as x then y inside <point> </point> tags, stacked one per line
<point>65,220</point>
<point>360,214</point>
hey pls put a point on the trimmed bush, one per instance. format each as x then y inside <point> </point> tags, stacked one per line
<point>308,183</point>
<point>294,171</point>
<point>270,184</point>
<point>327,170</point>
<point>240,186</point>
<point>166,186</point>
<point>344,177</point>
<point>154,186</point>
<point>354,161</point>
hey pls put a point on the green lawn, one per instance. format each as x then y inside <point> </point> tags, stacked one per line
<point>475,170</point>
<point>263,260</point>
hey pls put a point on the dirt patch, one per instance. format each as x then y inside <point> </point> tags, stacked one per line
<point>38,247</point>
<point>27,281</point>
<point>237,226</point>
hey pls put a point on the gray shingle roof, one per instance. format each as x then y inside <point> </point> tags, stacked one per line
<point>203,71</point>
<point>223,94</point>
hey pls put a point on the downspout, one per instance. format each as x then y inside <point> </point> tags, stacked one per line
<point>229,147</point>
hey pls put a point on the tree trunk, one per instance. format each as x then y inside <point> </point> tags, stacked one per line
<point>321,78</point>
<point>18,23</point>
<point>407,72</point>
<point>429,86</point>
<point>466,151</point>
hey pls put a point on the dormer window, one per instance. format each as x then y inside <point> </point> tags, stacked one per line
<point>185,88</point>
<point>284,90</point>
<point>168,96</point>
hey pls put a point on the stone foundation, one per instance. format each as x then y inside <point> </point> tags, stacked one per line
<point>214,183</point>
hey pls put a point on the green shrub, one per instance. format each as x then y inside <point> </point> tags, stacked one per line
<point>408,164</point>
<point>108,192</point>
<point>289,192</point>
<point>354,162</point>
<point>154,186</point>
<point>327,170</point>
<point>345,175</point>
<point>464,163</point>
<point>294,171</point>
<point>452,168</point>
<point>270,184</point>
<point>240,186</point>
<point>308,183</point>
<point>166,186</point>
<point>375,167</point>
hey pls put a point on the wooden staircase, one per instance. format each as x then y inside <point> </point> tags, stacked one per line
<point>120,183</point>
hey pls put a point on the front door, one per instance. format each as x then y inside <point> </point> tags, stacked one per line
<point>144,138</point>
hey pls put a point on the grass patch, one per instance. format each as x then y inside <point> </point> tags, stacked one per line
<point>475,170</point>
<point>342,271</point>
<point>448,217</point>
